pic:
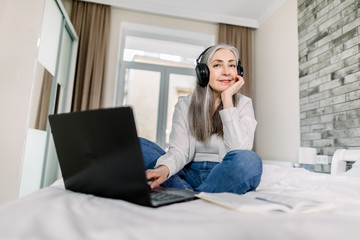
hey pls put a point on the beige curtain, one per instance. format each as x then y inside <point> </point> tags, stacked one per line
<point>43,109</point>
<point>91,22</point>
<point>241,38</point>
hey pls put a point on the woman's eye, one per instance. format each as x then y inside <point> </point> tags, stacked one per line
<point>216,65</point>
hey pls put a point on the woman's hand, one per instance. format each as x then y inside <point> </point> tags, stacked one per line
<point>157,176</point>
<point>226,95</point>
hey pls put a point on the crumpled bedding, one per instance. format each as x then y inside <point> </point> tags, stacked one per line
<point>55,213</point>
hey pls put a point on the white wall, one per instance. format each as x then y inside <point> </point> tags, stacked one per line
<point>120,15</point>
<point>276,85</point>
<point>20,26</point>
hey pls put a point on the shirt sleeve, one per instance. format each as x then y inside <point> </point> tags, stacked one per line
<point>239,125</point>
<point>178,154</point>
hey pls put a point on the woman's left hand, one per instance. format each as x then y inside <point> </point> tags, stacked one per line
<point>226,95</point>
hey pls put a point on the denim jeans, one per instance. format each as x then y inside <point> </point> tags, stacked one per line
<point>239,172</point>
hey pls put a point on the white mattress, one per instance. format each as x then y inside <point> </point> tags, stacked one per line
<point>54,213</point>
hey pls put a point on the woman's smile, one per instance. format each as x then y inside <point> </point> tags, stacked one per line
<point>225,81</point>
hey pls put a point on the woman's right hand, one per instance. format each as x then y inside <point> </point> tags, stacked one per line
<point>157,176</point>
<point>226,95</point>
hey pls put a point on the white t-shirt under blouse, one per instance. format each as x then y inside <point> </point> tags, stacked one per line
<point>209,151</point>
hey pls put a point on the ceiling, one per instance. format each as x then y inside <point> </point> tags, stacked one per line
<point>248,13</point>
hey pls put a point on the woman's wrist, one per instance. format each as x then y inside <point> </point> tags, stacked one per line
<point>226,100</point>
<point>164,170</point>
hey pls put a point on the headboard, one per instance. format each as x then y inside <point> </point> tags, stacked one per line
<point>338,164</point>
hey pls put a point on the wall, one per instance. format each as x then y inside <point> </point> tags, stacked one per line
<point>329,53</point>
<point>19,20</point>
<point>120,15</point>
<point>276,85</point>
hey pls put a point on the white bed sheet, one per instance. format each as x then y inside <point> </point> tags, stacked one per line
<point>54,213</point>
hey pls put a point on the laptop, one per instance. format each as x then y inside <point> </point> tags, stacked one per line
<point>99,153</point>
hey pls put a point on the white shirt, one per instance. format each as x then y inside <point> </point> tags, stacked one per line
<point>239,126</point>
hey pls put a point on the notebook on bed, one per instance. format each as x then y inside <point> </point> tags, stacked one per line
<point>99,153</point>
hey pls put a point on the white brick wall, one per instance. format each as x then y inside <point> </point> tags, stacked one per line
<point>329,66</point>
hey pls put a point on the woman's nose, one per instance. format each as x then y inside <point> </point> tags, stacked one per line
<point>226,70</point>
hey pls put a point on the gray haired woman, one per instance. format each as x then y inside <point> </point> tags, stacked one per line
<point>212,132</point>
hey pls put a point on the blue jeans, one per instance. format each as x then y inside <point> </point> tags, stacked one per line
<point>239,172</point>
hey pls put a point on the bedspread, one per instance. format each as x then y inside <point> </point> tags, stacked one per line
<point>55,213</point>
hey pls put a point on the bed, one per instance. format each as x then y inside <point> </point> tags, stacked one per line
<point>55,213</point>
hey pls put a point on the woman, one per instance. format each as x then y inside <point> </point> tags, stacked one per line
<point>212,132</point>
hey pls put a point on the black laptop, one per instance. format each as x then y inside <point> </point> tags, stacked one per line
<point>99,153</point>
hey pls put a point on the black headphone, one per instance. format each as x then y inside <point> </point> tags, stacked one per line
<point>203,73</point>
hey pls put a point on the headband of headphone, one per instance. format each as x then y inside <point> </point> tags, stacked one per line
<point>203,73</point>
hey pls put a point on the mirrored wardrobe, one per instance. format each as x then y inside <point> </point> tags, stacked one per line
<point>51,94</point>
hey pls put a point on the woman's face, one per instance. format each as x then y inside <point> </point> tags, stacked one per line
<point>223,70</point>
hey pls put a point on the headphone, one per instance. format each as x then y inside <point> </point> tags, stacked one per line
<point>203,73</point>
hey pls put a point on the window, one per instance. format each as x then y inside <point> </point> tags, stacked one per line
<point>156,67</point>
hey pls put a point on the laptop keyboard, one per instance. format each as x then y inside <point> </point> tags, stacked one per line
<point>164,196</point>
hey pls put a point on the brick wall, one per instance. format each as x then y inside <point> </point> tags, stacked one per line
<point>329,63</point>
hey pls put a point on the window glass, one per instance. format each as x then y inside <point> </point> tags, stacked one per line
<point>142,93</point>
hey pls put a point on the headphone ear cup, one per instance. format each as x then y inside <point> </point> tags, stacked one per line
<point>202,74</point>
<point>240,69</point>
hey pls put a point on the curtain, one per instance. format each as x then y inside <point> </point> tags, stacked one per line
<point>241,38</point>
<point>92,24</point>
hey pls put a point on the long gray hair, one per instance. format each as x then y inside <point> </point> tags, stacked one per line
<point>202,122</point>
